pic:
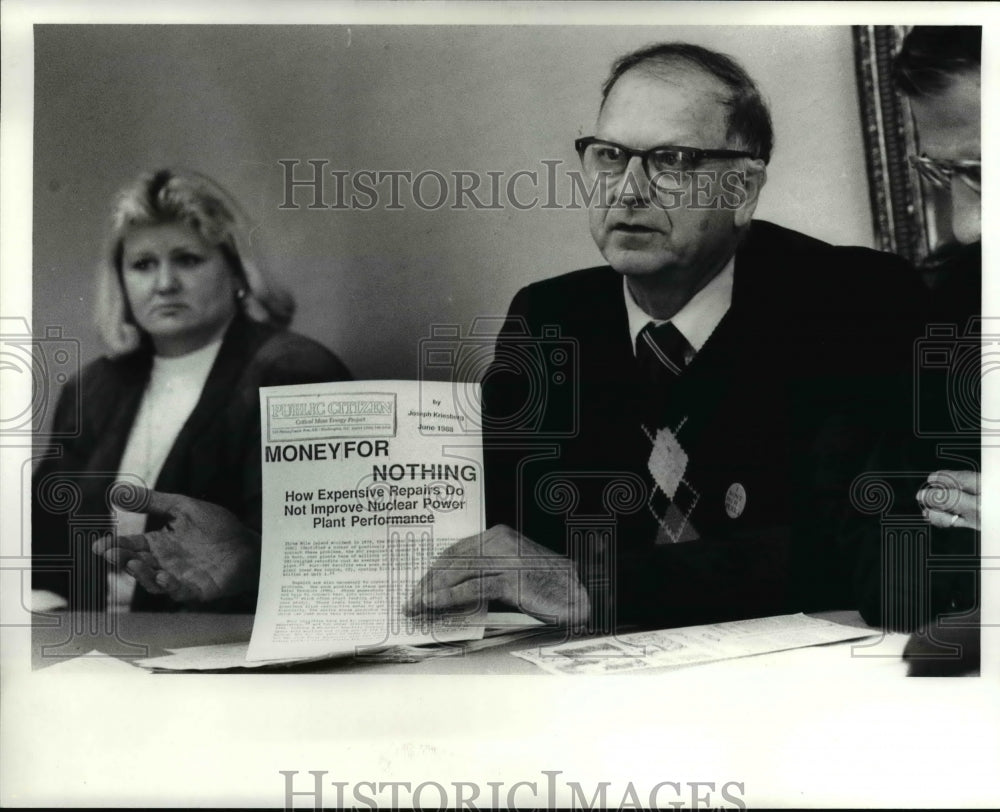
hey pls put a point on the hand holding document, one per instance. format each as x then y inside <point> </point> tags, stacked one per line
<point>365,484</point>
<point>503,565</point>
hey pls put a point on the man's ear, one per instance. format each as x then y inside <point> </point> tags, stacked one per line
<point>753,177</point>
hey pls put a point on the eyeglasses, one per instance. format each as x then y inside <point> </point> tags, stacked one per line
<point>940,172</point>
<point>599,156</point>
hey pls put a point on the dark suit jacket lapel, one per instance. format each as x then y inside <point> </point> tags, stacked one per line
<point>110,411</point>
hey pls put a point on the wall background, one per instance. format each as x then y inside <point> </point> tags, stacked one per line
<point>231,101</point>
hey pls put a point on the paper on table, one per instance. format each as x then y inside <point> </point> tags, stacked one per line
<point>93,662</point>
<point>219,657</point>
<point>44,601</point>
<point>511,620</point>
<point>225,656</point>
<point>688,646</point>
<point>364,483</point>
<point>501,628</point>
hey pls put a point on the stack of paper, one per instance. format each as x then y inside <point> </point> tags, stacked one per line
<point>501,628</point>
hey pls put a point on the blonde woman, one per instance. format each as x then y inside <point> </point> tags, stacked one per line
<point>193,328</point>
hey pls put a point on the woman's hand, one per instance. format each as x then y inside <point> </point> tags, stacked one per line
<point>951,499</point>
<point>202,553</point>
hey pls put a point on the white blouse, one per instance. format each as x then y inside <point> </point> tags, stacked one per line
<point>171,394</point>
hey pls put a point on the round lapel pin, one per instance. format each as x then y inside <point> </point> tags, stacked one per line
<point>736,500</point>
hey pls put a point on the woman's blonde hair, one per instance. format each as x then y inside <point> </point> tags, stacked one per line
<point>171,196</point>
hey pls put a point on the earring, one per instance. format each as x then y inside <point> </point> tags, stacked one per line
<point>241,294</point>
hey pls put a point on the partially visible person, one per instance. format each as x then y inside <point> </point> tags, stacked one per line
<point>193,328</point>
<point>930,586</point>
<point>938,68</point>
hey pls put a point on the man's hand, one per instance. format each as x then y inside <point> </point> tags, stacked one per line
<point>503,565</point>
<point>951,499</point>
<point>203,552</point>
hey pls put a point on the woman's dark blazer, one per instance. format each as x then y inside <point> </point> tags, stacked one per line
<point>216,456</point>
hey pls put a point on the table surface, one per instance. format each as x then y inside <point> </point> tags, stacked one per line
<point>59,637</point>
<point>832,725</point>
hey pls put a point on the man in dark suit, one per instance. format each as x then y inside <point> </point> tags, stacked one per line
<point>678,445</point>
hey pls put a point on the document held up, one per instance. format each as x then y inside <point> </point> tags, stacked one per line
<point>365,483</point>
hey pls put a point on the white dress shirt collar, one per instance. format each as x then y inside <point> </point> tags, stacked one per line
<point>698,318</point>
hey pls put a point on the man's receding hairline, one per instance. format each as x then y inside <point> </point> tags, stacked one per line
<point>658,68</point>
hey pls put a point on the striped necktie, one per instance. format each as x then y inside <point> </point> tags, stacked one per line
<point>662,353</point>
